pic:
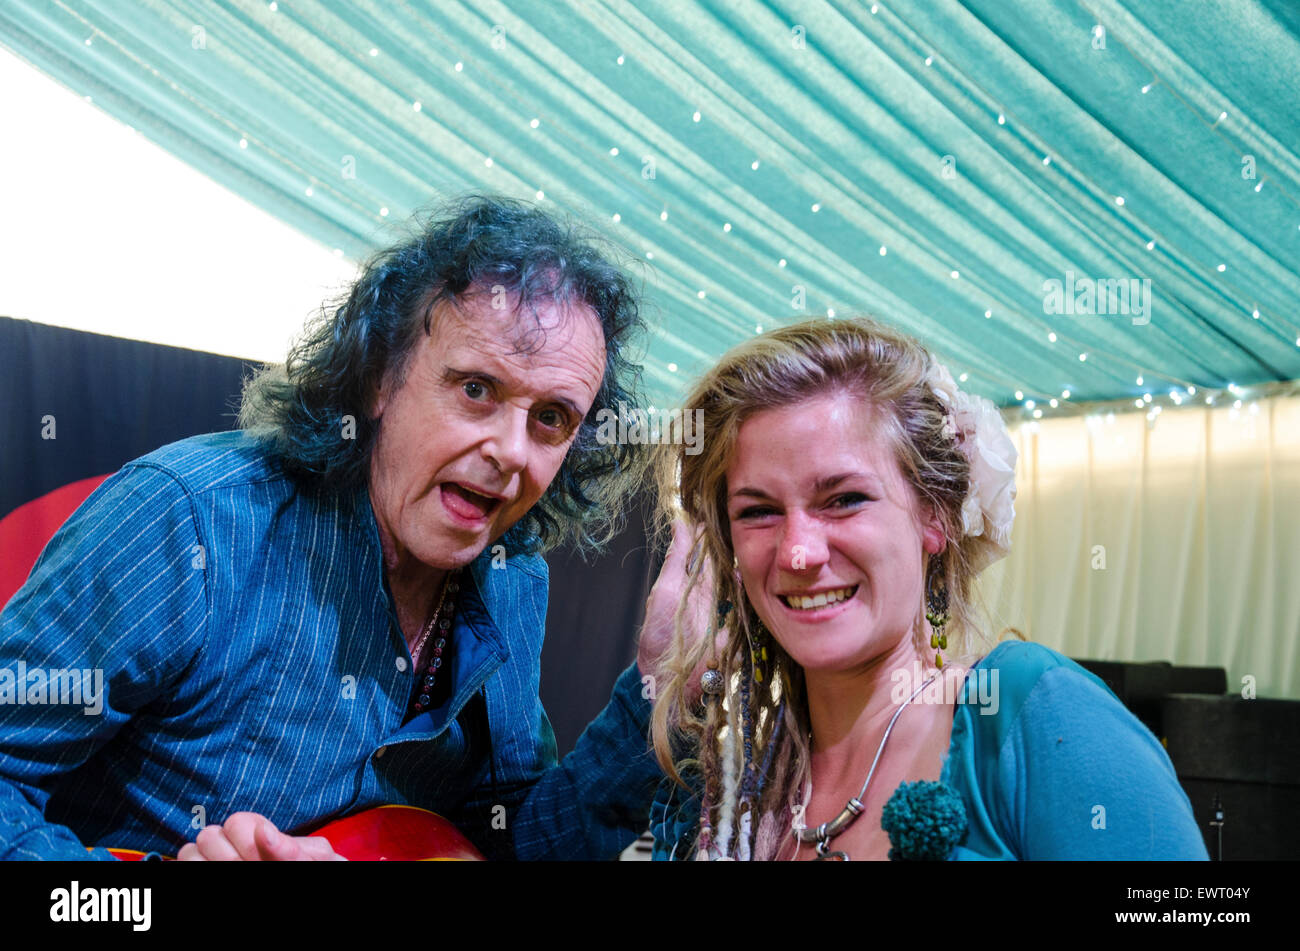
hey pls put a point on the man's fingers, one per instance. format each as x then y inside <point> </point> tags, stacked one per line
<point>680,547</point>
<point>214,845</point>
<point>318,847</point>
<point>249,837</point>
<point>274,846</point>
<point>241,830</point>
<point>666,597</point>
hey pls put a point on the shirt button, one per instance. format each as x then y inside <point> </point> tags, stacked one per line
<point>381,751</point>
<point>401,665</point>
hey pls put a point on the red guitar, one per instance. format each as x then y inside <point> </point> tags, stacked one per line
<point>385,834</point>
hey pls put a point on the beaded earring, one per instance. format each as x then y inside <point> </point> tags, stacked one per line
<point>936,608</point>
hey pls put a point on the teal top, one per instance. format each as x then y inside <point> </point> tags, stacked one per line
<point>1049,764</point>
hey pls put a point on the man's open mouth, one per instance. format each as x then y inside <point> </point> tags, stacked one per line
<point>466,502</point>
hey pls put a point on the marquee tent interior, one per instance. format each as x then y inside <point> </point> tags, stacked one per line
<point>1090,211</point>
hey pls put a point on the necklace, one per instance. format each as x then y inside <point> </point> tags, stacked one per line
<point>823,834</point>
<point>428,627</point>
<point>425,681</point>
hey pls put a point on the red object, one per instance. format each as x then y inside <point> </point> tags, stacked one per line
<point>398,834</point>
<point>386,834</point>
<point>25,531</point>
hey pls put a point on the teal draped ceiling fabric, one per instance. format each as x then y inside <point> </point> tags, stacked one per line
<point>936,163</point>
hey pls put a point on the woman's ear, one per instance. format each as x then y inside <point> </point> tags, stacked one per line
<point>933,538</point>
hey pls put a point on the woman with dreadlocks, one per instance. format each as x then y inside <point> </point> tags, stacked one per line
<point>837,698</point>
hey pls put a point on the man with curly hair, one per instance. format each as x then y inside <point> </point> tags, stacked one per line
<point>341,604</point>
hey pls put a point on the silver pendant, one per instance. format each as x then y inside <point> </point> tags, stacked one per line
<point>824,854</point>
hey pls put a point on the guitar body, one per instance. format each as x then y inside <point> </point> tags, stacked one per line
<point>385,834</point>
<point>398,834</point>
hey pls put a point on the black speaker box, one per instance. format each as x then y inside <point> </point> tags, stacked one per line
<point>1212,680</point>
<point>1246,752</point>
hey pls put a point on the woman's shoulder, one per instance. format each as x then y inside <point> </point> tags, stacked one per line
<point>1025,659</point>
<point>1022,664</point>
<point>1006,678</point>
<point>1049,746</point>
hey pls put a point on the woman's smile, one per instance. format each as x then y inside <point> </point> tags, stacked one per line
<point>818,604</point>
<point>830,543</point>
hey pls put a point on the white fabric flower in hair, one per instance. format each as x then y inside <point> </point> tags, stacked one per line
<point>989,509</point>
<point>942,383</point>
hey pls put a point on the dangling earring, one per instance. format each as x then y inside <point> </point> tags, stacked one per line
<point>936,608</point>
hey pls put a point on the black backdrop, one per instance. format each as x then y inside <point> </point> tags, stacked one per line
<point>114,400</point>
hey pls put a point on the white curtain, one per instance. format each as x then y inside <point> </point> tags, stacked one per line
<point>1172,539</point>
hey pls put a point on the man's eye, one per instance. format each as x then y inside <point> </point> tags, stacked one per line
<point>475,390</point>
<point>553,419</point>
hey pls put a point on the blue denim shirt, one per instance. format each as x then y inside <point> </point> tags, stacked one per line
<point>251,659</point>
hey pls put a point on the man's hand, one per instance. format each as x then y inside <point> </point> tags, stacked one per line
<point>248,837</point>
<point>661,610</point>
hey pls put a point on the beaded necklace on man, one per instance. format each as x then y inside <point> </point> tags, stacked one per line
<point>431,686</point>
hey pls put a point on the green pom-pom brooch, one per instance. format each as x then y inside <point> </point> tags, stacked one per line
<point>925,820</point>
